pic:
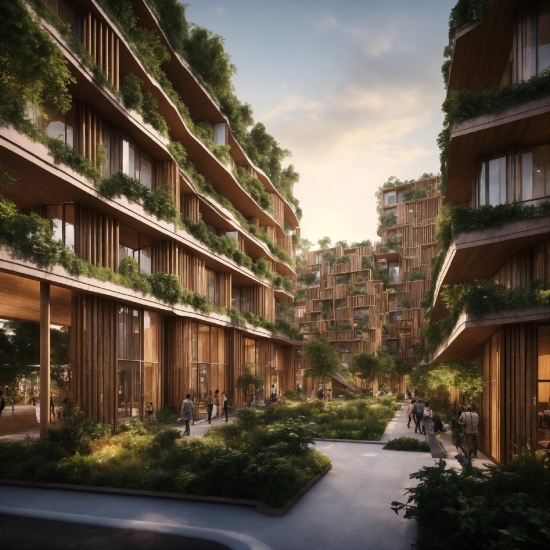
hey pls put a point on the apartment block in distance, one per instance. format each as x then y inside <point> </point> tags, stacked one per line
<point>503,158</point>
<point>408,223</point>
<point>129,347</point>
<point>367,297</point>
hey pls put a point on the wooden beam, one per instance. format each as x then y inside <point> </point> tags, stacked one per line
<point>44,358</point>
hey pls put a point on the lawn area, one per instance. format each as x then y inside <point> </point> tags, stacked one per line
<point>357,419</point>
<point>266,462</point>
<point>505,507</point>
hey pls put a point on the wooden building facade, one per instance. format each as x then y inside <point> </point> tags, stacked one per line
<point>127,348</point>
<point>495,159</point>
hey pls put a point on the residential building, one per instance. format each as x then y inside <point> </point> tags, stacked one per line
<point>204,234</point>
<point>363,298</point>
<point>498,163</point>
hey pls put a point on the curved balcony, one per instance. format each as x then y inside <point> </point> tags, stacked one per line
<point>479,254</point>
<point>468,336</point>
<point>524,124</point>
<point>201,105</point>
<point>474,65</point>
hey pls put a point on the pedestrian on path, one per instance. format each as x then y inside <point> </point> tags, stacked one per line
<point>52,409</point>
<point>225,405</point>
<point>418,415</point>
<point>438,427</point>
<point>273,393</point>
<point>427,420</point>
<point>209,406</point>
<point>2,402</point>
<point>471,429</point>
<point>216,412</point>
<point>409,412</point>
<point>187,413</point>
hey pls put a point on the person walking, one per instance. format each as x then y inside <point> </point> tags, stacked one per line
<point>2,402</point>
<point>225,405</point>
<point>187,413</point>
<point>438,427</point>
<point>52,409</point>
<point>273,393</point>
<point>410,412</point>
<point>471,429</point>
<point>418,415</point>
<point>209,405</point>
<point>427,418</point>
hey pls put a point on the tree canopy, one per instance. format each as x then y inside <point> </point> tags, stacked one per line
<point>323,358</point>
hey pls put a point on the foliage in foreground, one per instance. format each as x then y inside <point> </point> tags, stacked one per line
<point>270,463</point>
<point>506,507</point>
<point>356,419</point>
<point>407,444</point>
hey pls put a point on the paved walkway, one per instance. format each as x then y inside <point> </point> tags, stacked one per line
<point>349,508</point>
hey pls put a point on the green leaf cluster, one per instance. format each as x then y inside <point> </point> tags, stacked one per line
<point>501,507</point>
<point>387,220</point>
<point>322,358</point>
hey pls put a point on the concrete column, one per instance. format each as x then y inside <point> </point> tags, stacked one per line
<point>44,358</point>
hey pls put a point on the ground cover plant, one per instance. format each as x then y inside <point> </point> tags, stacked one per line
<point>503,507</point>
<point>407,444</point>
<point>266,462</point>
<point>364,418</point>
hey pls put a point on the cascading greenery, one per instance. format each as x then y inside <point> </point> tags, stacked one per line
<point>32,236</point>
<point>462,219</point>
<point>478,299</point>
<point>209,61</point>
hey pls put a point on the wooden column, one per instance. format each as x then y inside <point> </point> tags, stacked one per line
<point>44,358</point>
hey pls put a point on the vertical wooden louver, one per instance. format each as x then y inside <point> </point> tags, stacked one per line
<point>96,237</point>
<point>93,351</point>
<point>190,207</point>
<point>104,46</point>
<point>166,175</point>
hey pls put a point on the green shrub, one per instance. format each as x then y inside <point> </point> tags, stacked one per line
<point>407,444</point>
<point>503,507</point>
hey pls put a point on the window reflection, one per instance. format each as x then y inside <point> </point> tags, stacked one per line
<point>62,221</point>
<point>136,245</point>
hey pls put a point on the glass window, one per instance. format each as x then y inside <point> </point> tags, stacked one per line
<point>146,172</point>
<point>393,271</point>
<point>135,245</point>
<point>128,158</point>
<point>535,172</point>
<point>220,134</point>
<point>61,218</point>
<point>492,182</point>
<point>389,198</point>
<point>532,39</point>
<point>212,286</point>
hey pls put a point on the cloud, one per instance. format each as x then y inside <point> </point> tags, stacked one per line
<point>328,22</point>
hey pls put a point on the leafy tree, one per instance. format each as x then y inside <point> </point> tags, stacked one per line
<point>302,248</point>
<point>366,366</point>
<point>249,382</point>
<point>323,358</point>
<point>343,244</point>
<point>324,242</point>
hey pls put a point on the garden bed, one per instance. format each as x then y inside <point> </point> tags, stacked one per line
<point>359,419</point>
<point>270,463</point>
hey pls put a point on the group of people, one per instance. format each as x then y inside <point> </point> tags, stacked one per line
<point>214,403</point>
<point>464,424</point>
<point>322,394</point>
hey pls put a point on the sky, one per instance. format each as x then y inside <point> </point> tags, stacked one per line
<point>352,88</point>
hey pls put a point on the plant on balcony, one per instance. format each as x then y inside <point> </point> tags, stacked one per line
<point>338,327</point>
<point>342,260</point>
<point>392,244</point>
<point>417,276</point>
<point>412,194</point>
<point>254,186</point>
<point>387,220</point>
<point>365,243</point>
<point>478,299</point>
<point>404,303</point>
<point>342,279</point>
<point>354,291</point>
<point>381,274</point>
<point>362,322</point>
<point>366,262</point>
<point>309,278</point>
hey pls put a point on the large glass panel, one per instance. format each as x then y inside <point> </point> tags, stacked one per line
<point>482,185</point>
<point>497,181</point>
<point>146,173</point>
<point>128,158</point>
<point>541,171</point>
<point>69,226</point>
<point>393,271</point>
<point>389,198</point>
<point>204,344</point>
<point>211,285</point>
<point>54,124</point>
<point>236,298</point>
<point>54,213</point>
<point>145,262</point>
<point>543,54</point>
<point>527,176</point>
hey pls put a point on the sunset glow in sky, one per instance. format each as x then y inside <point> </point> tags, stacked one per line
<point>353,88</point>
